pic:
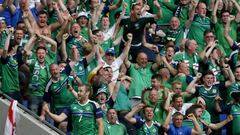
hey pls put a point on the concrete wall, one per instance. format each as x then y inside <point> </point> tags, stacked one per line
<point>28,125</point>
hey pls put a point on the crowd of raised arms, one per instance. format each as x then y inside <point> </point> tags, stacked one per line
<point>118,67</point>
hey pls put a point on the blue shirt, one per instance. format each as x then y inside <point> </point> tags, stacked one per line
<point>179,131</point>
<point>18,16</point>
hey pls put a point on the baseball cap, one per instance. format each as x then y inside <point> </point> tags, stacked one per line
<point>102,89</point>
<point>84,14</point>
<point>110,51</point>
<point>2,19</point>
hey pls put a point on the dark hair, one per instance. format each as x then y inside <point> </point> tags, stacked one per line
<point>42,12</point>
<point>209,72</point>
<point>192,109</point>
<point>17,30</point>
<point>170,43</point>
<point>224,11</point>
<point>175,96</point>
<point>147,106</point>
<point>19,22</point>
<point>94,32</point>
<point>111,109</point>
<point>41,47</point>
<point>157,77</point>
<point>207,31</point>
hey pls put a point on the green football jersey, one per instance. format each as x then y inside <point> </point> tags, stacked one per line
<point>114,129</point>
<point>9,71</point>
<point>122,96</point>
<point>167,10</point>
<point>192,61</point>
<point>3,37</point>
<point>235,111</point>
<point>107,44</point>
<point>144,129</point>
<point>59,95</point>
<point>84,117</point>
<point>196,31</point>
<point>39,76</point>
<point>208,95</point>
<point>219,30</point>
<point>141,79</point>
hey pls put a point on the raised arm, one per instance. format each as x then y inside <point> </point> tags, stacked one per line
<point>156,65</point>
<point>227,30</point>
<point>7,43</point>
<point>96,15</point>
<point>11,7</point>
<point>172,70</point>
<point>168,100</point>
<point>129,117</point>
<point>216,126</point>
<point>49,40</point>
<point>127,62</point>
<point>214,13</point>
<point>235,3</point>
<point>197,129</point>
<point>70,88</point>
<point>63,47</point>
<point>152,47</point>
<point>61,4</point>
<point>27,23</point>
<point>91,56</point>
<point>64,27</point>
<point>191,14</point>
<point>191,87</point>
<point>115,6</point>
<point>121,78</point>
<point>56,25</point>
<point>167,120</point>
<point>231,79</point>
<point>55,117</point>
<point>205,54</point>
<point>126,49</point>
<point>29,46</point>
<point>3,6</point>
<point>100,126</point>
<point>159,13</point>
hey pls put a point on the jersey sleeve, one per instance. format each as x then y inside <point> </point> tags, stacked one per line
<point>221,85</point>
<point>67,111</point>
<point>97,111</point>
<point>139,122</point>
<point>67,70</point>
<point>4,60</point>
<point>197,91</point>
<point>84,62</point>
<point>47,93</point>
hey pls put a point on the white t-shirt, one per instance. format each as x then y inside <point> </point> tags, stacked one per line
<point>115,67</point>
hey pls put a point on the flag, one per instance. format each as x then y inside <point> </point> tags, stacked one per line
<point>12,118</point>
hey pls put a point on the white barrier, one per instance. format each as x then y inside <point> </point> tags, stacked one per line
<point>28,125</point>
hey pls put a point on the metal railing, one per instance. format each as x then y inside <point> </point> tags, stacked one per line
<point>26,110</point>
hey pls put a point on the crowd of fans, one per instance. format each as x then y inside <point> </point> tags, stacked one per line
<point>119,67</point>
